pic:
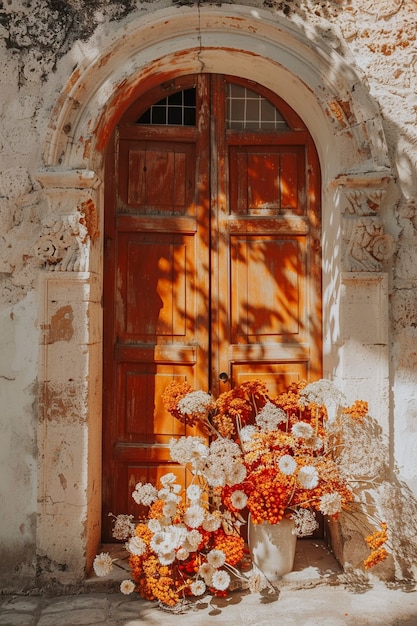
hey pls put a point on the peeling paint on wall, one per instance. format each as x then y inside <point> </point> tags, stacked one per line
<point>61,328</point>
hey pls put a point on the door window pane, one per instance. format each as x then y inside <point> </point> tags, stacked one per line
<point>178,109</point>
<point>247,110</point>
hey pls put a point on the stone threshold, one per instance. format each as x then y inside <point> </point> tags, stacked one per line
<point>314,564</point>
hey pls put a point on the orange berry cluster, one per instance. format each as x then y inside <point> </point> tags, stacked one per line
<point>268,496</point>
<point>357,411</point>
<point>224,425</point>
<point>232,545</point>
<point>378,538</point>
<point>375,557</point>
<point>159,582</point>
<point>155,511</point>
<point>243,402</point>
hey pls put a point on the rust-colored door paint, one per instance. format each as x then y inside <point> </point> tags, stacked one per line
<point>212,262</point>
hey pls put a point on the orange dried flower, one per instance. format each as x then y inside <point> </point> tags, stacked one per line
<point>143,532</point>
<point>357,411</point>
<point>243,402</point>
<point>378,538</point>
<point>173,393</point>
<point>155,511</point>
<point>224,425</point>
<point>375,557</point>
<point>269,495</point>
<point>232,545</point>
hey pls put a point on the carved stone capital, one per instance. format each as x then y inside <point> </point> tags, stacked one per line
<point>62,245</point>
<point>365,245</point>
<point>363,201</point>
<point>72,222</point>
<point>364,193</point>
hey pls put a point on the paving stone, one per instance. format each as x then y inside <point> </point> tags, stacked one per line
<point>17,619</point>
<point>127,610</point>
<point>25,605</point>
<point>66,603</point>
<point>292,605</point>
<point>73,617</point>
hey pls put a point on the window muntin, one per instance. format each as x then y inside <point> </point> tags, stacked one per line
<point>177,109</point>
<point>248,110</point>
<point>245,110</point>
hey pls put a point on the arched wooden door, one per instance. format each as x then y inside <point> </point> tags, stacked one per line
<point>212,261</point>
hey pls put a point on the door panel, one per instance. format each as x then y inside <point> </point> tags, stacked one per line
<point>157,265</point>
<point>276,376</point>
<point>160,178</point>
<point>268,298</point>
<point>267,180</point>
<point>211,265</point>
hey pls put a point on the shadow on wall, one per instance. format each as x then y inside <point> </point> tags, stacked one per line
<point>381,498</point>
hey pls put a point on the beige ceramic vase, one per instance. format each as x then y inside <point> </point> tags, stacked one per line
<point>272,547</point>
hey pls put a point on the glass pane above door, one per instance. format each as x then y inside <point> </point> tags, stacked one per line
<point>178,109</point>
<point>248,110</point>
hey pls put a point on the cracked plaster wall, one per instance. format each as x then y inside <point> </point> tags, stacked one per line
<point>40,44</point>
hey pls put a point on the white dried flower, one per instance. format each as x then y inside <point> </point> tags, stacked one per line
<point>154,525</point>
<point>182,554</point>
<point>194,493</point>
<point>193,540</point>
<point>236,474</point>
<point>215,476</point>
<point>158,542</point>
<point>315,443</point>
<point>103,564</point>
<point>206,571</point>
<point>168,495</point>
<point>321,392</point>
<point>170,508</point>
<point>191,450</point>
<point>305,522</point>
<point>194,516</point>
<point>136,546</point>
<point>212,522</point>
<point>225,448</point>
<point>196,403</point>
<point>302,430</point>
<point>123,526</point>
<point>166,558</point>
<point>308,477</point>
<point>216,558</point>
<point>331,503</point>
<point>127,587</point>
<point>145,494</point>
<point>239,499</point>
<point>220,580</point>
<point>168,479</point>
<point>246,433</point>
<point>198,587</point>
<point>270,416</point>
<point>287,464</point>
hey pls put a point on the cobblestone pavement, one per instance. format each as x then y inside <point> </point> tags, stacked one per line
<point>323,605</point>
<point>315,593</point>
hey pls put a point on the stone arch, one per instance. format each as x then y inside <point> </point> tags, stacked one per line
<point>335,104</point>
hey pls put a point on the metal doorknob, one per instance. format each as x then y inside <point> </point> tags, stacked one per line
<point>224,377</point>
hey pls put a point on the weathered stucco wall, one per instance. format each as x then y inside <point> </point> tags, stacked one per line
<point>46,45</point>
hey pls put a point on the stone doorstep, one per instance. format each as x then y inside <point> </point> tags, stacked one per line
<point>314,564</point>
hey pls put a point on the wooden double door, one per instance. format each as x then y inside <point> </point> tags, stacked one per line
<point>212,262</point>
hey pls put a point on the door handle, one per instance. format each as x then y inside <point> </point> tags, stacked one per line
<point>224,377</point>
